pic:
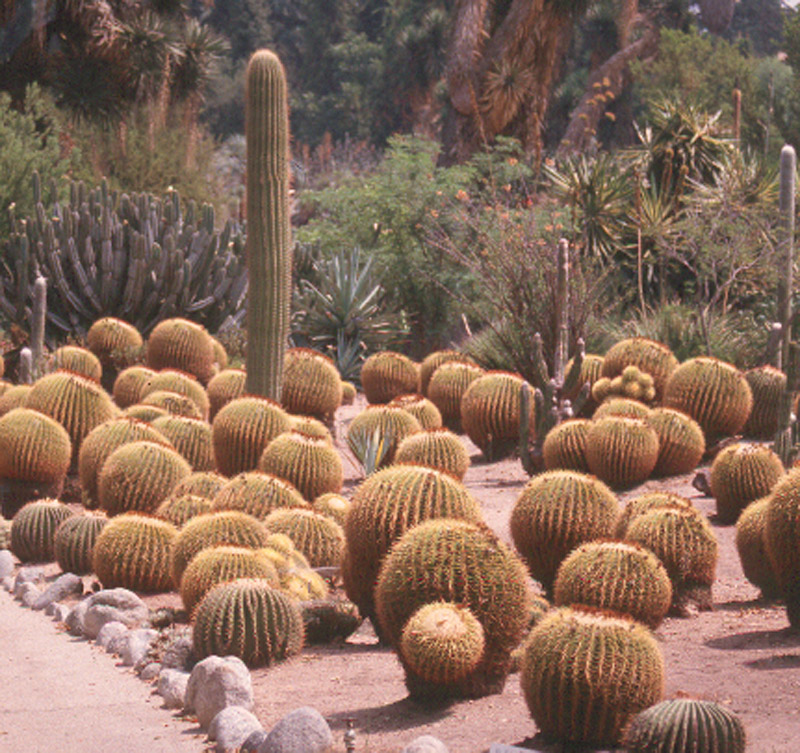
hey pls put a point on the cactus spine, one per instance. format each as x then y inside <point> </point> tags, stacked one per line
<point>268,231</point>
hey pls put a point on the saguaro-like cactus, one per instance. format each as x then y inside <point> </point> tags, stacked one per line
<point>268,231</point>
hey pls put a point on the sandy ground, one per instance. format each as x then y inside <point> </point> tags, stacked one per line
<point>59,693</point>
<point>741,654</point>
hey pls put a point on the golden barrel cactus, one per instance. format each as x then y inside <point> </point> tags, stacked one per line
<point>242,429</point>
<point>714,393</point>
<point>180,344</point>
<point>740,474</point>
<point>387,374</point>
<point>556,512</point>
<point>586,673</point>
<point>621,451</point>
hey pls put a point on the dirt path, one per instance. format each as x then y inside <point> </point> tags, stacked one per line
<point>59,693</point>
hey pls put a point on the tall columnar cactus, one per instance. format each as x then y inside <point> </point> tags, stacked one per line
<point>38,324</point>
<point>586,673</point>
<point>684,724</point>
<point>269,259</point>
<point>788,172</point>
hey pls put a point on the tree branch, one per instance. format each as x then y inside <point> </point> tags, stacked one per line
<point>607,82</point>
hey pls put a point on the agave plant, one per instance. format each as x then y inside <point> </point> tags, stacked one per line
<point>341,312</point>
<point>599,192</point>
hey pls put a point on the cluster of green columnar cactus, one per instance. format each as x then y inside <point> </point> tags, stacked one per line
<point>129,255</point>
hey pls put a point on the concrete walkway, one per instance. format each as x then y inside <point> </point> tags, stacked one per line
<point>59,693</point>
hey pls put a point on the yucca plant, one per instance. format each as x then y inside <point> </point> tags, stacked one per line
<point>341,311</point>
<point>598,192</point>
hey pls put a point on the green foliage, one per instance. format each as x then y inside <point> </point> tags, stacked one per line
<point>385,214</point>
<point>139,158</point>
<point>30,141</point>
<point>341,310</point>
<point>704,69</point>
<point>599,194</point>
<point>737,337</point>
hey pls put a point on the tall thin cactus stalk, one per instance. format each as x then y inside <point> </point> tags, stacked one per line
<point>268,230</point>
<point>550,407</point>
<point>38,317</point>
<point>786,257</point>
<point>562,311</point>
<point>786,439</point>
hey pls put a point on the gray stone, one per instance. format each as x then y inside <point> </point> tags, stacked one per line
<point>27,593</point>
<point>60,612</point>
<point>172,687</point>
<point>76,616</point>
<point>231,727</point>
<point>8,583</point>
<point>113,604</point>
<point>501,748</point>
<point>303,730</point>
<point>426,744</point>
<point>217,682</point>
<point>150,671</point>
<point>178,653</point>
<point>6,563</point>
<point>134,647</point>
<point>29,574</point>
<point>63,586</point>
<point>254,742</point>
<point>109,633</point>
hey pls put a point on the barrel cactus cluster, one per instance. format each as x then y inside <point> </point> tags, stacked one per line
<point>233,486</point>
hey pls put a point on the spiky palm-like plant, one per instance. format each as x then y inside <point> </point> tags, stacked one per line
<point>342,312</point>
